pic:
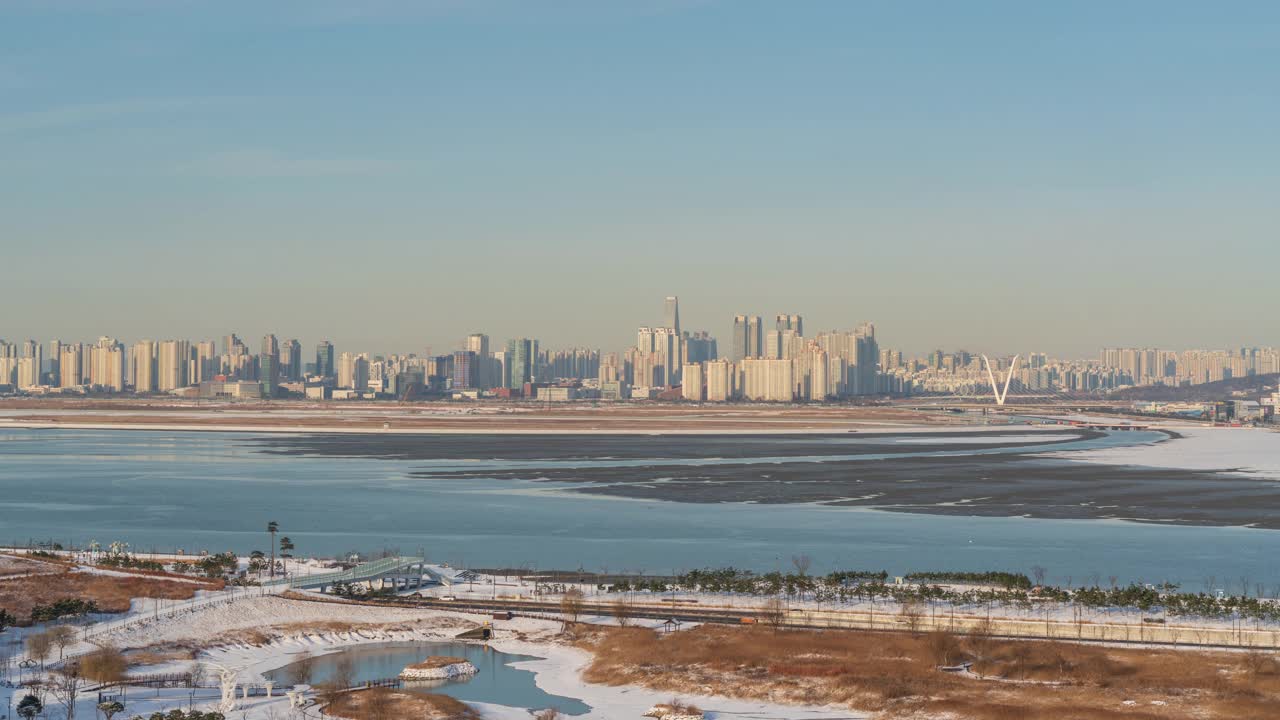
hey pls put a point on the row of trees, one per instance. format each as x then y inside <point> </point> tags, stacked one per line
<point>1010,589</point>
<point>105,666</point>
<point>746,582</point>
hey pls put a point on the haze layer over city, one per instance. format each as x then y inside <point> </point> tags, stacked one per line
<point>671,359</point>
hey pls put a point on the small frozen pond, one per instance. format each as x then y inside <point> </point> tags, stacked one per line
<point>496,682</point>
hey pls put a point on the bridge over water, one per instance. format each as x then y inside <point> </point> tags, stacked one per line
<point>399,573</point>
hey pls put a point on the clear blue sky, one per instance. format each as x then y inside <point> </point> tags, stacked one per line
<point>393,175</point>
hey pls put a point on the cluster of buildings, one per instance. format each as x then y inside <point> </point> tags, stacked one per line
<point>965,373</point>
<point>1152,366</point>
<point>279,368</point>
<point>778,364</point>
<point>762,361</point>
<point>772,364</point>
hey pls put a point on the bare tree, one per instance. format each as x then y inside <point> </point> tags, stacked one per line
<point>343,678</point>
<point>63,636</point>
<point>65,685</point>
<point>801,563</point>
<point>981,642</point>
<point>774,613</point>
<point>106,665</point>
<point>1038,572</point>
<point>911,615</point>
<point>571,605</point>
<point>943,647</point>
<point>1021,654</point>
<point>344,672</point>
<point>39,646</point>
<point>302,668</point>
<point>622,611</point>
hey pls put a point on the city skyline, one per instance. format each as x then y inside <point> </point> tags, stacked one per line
<point>759,362</point>
<point>1004,176</point>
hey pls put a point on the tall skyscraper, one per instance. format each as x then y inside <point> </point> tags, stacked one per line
<point>269,366</point>
<point>672,313</point>
<point>486,377</point>
<point>700,347</point>
<point>291,360</point>
<point>324,359</point>
<point>793,323</point>
<point>55,361</point>
<point>464,369</point>
<point>521,362</point>
<point>748,337</point>
<point>206,363</point>
<point>9,361</point>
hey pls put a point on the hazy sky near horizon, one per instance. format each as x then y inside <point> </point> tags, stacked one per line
<point>1002,176</point>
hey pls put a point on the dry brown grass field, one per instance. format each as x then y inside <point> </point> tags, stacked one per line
<point>386,704</point>
<point>897,675</point>
<point>11,566</point>
<point>111,593</point>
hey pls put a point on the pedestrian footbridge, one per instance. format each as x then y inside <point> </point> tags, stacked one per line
<point>399,573</point>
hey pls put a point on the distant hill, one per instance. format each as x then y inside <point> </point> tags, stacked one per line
<point>1254,387</point>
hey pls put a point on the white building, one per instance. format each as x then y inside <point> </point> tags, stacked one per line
<point>719,376</point>
<point>693,385</point>
<point>768,380</point>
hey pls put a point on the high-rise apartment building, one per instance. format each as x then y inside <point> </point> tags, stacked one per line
<point>107,365</point>
<point>144,366</point>
<point>693,385</point>
<point>719,377</point>
<point>768,380</point>
<point>173,358</point>
<point>465,369</point>
<point>69,375</point>
<point>30,371</point>
<point>667,347</point>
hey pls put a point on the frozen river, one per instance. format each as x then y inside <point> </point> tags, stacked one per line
<point>653,504</point>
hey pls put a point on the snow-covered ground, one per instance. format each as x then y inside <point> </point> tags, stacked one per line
<point>297,626</point>
<point>1251,450</point>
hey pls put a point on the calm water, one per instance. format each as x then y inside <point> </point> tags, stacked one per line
<point>496,682</point>
<point>166,490</point>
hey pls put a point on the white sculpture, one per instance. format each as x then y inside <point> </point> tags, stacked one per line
<point>227,680</point>
<point>1000,396</point>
